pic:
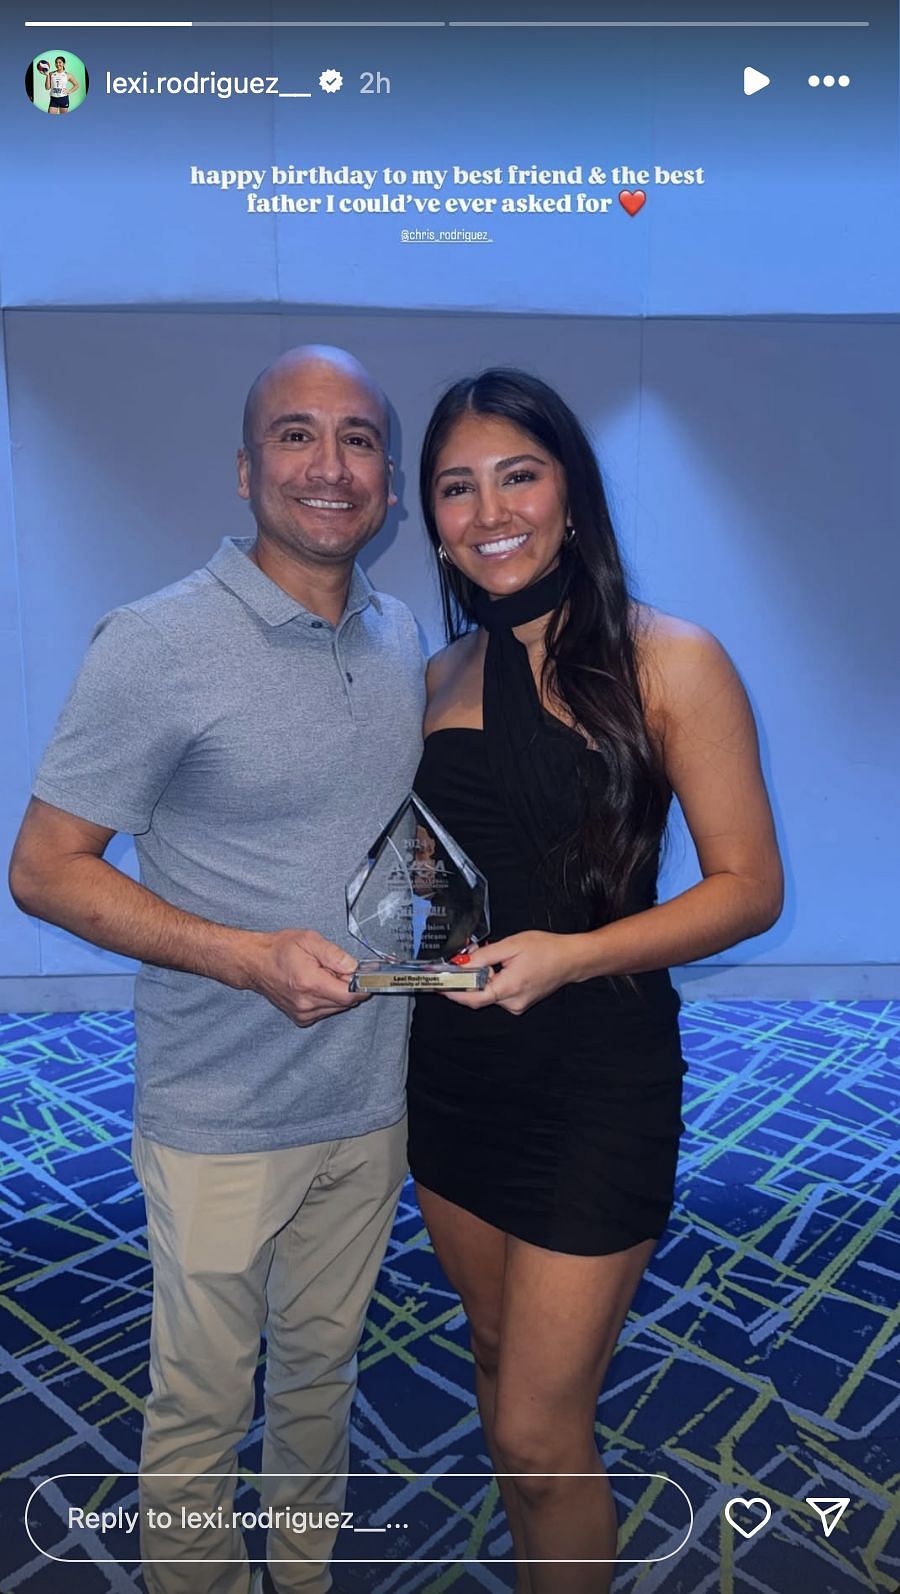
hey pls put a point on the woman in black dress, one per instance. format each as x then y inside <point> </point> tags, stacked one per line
<point>545,1110</point>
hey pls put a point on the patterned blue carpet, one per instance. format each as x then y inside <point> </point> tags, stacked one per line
<point>761,1359</point>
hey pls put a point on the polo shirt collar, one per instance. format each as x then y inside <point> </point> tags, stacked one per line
<point>231,565</point>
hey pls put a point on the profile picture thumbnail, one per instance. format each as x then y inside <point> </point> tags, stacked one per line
<point>56,82</point>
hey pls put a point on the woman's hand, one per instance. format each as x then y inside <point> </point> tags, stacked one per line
<point>532,965</point>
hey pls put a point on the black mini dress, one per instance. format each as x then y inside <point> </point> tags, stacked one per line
<point>559,1126</point>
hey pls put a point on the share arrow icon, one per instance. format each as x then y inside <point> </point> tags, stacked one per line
<point>829,1511</point>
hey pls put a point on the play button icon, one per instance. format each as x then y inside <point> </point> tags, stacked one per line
<point>754,81</point>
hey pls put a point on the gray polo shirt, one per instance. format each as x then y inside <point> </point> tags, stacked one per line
<point>254,751</point>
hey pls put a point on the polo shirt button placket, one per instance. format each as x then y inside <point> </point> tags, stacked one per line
<point>346,677</point>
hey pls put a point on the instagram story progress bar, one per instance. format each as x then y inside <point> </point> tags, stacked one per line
<point>460,22</point>
<point>695,17</point>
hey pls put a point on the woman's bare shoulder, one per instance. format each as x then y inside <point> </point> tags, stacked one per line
<point>667,636</point>
<point>454,683</point>
<point>450,661</point>
<point>675,657</point>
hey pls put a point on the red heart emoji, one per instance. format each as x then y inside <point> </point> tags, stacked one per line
<point>632,200</point>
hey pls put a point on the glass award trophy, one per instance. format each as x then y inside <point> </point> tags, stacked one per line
<point>418,903</point>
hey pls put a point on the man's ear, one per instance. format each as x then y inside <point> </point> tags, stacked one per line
<point>392,496</point>
<point>243,472</point>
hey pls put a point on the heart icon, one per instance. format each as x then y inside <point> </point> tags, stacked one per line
<point>748,1505</point>
<point>632,200</point>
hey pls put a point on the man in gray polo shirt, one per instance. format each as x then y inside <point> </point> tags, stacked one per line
<point>253,726</point>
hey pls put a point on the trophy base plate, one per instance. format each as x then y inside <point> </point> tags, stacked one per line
<point>406,977</point>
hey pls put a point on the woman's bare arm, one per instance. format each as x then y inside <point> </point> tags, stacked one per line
<point>711,755</point>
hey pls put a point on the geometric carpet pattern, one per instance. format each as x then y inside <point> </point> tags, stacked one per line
<point>761,1358</point>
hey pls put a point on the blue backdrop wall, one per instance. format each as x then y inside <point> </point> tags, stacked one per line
<point>733,346</point>
<point>755,483</point>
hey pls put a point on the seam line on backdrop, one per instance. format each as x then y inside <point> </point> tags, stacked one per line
<point>275,229</point>
<point>17,569</point>
<point>637,470</point>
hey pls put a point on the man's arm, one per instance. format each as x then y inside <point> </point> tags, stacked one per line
<point>58,873</point>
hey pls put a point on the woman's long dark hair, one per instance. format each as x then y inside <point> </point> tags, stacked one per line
<point>591,662</point>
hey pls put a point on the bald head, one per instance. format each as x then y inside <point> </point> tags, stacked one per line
<point>314,465</point>
<point>308,361</point>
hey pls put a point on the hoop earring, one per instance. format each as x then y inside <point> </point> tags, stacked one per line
<point>569,537</point>
<point>442,554</point>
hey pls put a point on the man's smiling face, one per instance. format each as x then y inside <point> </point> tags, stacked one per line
<point>315,468</point>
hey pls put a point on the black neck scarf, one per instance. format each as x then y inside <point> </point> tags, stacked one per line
<point>533,757</point>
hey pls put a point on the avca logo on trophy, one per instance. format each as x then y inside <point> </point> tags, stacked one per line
<point>418,903</point>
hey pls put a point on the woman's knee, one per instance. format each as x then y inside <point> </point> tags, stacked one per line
<point>521,1449</point>
<point>544,1452</point>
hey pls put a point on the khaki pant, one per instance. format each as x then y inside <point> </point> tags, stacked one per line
<point>288,1239</point>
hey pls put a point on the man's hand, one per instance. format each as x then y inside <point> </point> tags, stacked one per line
<point>303,975</point>
<point>58,872</point>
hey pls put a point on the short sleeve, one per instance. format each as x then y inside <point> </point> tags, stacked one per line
<point>124,729</point>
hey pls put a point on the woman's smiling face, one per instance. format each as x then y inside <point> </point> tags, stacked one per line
<point>499,504</point>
